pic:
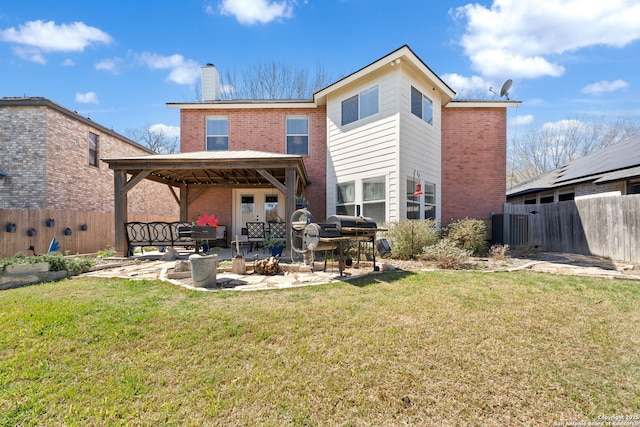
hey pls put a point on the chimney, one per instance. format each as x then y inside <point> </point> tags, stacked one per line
<point>210,83</point>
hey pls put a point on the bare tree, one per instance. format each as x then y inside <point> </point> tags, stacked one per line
<point>272,80</point>
<point>554,144</point>
<point>155,138</point>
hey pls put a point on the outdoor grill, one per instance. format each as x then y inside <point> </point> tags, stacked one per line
<point>309,237</point>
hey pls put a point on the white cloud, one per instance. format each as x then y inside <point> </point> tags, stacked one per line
<point>87,98</point>
<point>524,38</point>
<point>604,86</point>
<point>249,12</point>
<point>166,130</point>
<point>527,119</point>
<point>35,37</point>
<point>68,63</point>
<point>112,65</point>
<point>465,84</point>
<point>182,71</point>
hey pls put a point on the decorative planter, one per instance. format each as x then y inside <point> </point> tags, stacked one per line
<point>277,250</point>
<point>32,232</point>
<point>67,231</point>
<point>83,227</point>
<point>11,228</point>
<point>51,222</point>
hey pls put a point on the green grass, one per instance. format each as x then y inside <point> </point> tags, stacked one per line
<point>437,348</point>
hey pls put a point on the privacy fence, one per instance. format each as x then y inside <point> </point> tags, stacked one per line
<point>77,232</point>
<point>604,226</point>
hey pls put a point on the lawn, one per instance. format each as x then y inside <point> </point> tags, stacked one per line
<point>433,348</point>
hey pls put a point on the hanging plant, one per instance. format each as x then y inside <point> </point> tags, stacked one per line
<point>11,227</point>
<point>83,227</point>
<point>51,222</point>
<point>32,232</point>
<point>67,231</point>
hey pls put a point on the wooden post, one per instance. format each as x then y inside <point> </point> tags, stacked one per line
<point>120,205</point>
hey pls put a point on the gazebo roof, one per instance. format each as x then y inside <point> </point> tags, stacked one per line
<point>213,167</point>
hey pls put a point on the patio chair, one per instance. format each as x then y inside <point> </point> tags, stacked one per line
<point>278,230</point>
<point>257,234</point>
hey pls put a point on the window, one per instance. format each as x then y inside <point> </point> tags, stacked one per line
<point>298,135</point>
<point>530,202</point>
<point>429,200</point>
<point>566,196</point>
<point>374,198</point>
<point>421,106</point>
<point>217,133</point>
<point>633,188</point>
<point>271,207</point>
<point>93,149</point>
<point>413,201</point>
<point>546,199</point>
<point>345,199</point>
<point>358,107</point>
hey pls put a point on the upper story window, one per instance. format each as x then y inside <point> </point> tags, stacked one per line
<point>359,106</point>
<point>298,135</point>
<point>93,149</point>
<point>217,133</point>
<point>421,106</point>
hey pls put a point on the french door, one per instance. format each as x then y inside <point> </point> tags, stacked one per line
<point>262,205</point>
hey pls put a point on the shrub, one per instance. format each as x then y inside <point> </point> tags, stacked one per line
<point>447,254</point>
<point>499,252</point>
<point>407,238</point>
<point>57,262</point>
<point>469,234</point>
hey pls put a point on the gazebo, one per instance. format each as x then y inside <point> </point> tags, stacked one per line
<point>197,171</point>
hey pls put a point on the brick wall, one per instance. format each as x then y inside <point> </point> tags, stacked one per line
<point>46,157</point>
<point>473,162</point>
<point>263,130</point>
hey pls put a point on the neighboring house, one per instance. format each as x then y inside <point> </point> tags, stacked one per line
<point>50,168</point>
<point>368,142</point>
<point>611,171</point>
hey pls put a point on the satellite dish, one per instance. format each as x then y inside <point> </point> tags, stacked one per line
<point>504,91</point>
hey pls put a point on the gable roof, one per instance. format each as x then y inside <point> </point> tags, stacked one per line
<point>613,163</point>
<point>395,57</point>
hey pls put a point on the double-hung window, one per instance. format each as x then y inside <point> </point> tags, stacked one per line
<point>421,106</point>
<point>359,106</point>
<point>413,200</point>
<point>217,133</point>
<point>374,198</point>
<point>298,135</point>
<point>429,200</point>
<point>93,149</point>
<point>346,198</point>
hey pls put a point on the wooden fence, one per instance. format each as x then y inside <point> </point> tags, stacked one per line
<point>606,226</point>
<point>99,233</point>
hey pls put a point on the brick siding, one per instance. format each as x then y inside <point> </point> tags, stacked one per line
<point>260,129</point>
<point>473,162</point>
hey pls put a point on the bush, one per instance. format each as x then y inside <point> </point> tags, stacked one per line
<point>57,262</point>
<point>469,234</point>
<point>447,254</point>
<point>499,252</point>
<point>407,238</point>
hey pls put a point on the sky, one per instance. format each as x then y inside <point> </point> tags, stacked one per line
<point>119,62</point>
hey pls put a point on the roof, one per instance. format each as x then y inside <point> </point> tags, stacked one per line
<point>399,55</point>
<point>37,101</point>
<point>395,57</point>
<point>613,163</point>
<point>244,167</point>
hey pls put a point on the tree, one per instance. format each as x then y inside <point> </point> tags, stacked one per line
<point>156,138</point>
<point>555,144</point>
<point>269,80</point>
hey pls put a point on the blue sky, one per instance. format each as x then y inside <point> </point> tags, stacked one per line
<point>121,62</point>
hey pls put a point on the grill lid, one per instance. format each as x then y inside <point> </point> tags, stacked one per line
<point>349,221</point>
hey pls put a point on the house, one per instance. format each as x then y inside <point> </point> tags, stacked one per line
<point>363,145</point>
<point>611,171</point>
<point>367,141</point>
<point>51,169</point>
